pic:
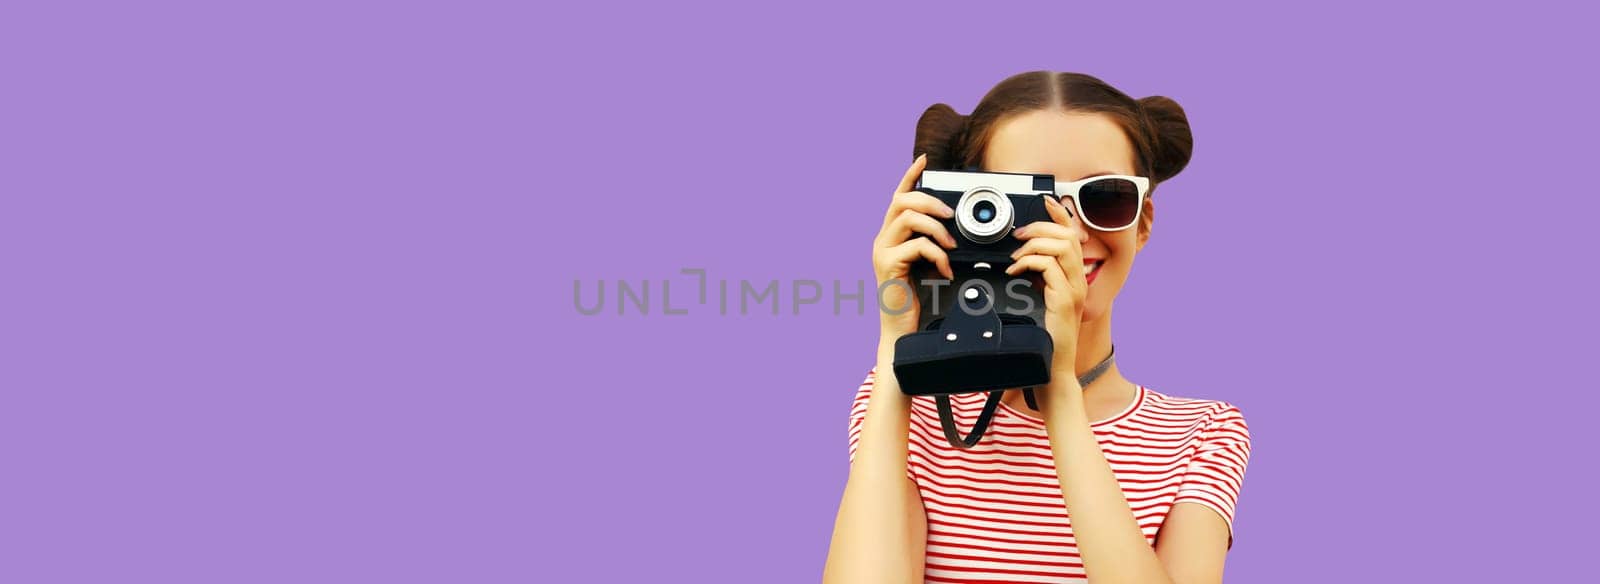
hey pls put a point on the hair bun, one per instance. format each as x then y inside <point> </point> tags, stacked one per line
<point>940,133</point>
<point>1174,143</point>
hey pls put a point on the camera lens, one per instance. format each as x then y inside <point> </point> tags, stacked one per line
<point>983,211</point>
<point>983,215</point>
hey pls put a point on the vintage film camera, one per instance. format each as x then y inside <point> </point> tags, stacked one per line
<point>983,331</point>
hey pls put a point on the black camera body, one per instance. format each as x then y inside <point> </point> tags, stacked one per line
<point>980,332</point>
<point>988,205</point>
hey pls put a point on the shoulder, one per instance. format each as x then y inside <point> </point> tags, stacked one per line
<point>1183,405</point>
<point>858,404</point>
<point>865,388</point>
<point>1211,414</point>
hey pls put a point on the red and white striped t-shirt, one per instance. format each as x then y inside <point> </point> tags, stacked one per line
<point>995,511</point>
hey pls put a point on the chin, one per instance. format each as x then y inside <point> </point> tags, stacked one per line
<point>1096,305</point>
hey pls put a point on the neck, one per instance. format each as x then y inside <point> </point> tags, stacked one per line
<point>1107,393</point>
<point>1094,343</point>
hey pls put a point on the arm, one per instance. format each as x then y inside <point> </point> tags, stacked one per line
<point>1193,540</point>
<point>880,532</point>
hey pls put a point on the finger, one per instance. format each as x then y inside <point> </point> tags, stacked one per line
<point>1066,253</point>
<point>1058,212</point>
<point>1050,246</point>
<point>920,202</point>
<point>1072,265</point>
<point>1039,229</point>
<point>910,179</point>
<point>1045,265</point>
<point>913,222</point>
<point>908,252</point>
<point>1064,216</point>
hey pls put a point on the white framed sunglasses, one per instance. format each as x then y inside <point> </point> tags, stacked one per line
<point>1109,202</point>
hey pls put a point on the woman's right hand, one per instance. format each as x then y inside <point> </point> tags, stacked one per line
<point>898,247</point>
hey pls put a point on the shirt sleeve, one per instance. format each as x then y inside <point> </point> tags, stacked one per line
<point>1216,473</point>
<point>858,413</point>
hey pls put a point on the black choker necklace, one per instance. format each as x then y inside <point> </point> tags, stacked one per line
<point>1083,380</point>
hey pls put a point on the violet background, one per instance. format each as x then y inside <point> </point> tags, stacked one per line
<point>288,286</point>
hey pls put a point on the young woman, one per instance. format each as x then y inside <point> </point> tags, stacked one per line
<point>1112,482</point>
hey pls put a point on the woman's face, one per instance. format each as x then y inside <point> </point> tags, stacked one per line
<point>1072,146</point>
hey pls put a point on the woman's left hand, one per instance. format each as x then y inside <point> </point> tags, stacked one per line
<point>1055,250</point>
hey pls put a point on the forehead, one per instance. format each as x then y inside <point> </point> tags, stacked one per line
<point>1069,145</point>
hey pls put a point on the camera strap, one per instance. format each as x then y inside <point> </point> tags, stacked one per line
<point>947,418</point>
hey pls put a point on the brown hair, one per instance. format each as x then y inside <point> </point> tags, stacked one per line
<point>1156,126</point>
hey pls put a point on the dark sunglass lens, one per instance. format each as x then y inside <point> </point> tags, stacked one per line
<point>1110,203</point>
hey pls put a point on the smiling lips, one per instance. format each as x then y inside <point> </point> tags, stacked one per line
<point>1091,268</point>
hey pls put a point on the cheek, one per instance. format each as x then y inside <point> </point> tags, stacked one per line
<point>1123,246</point>
<point>1120,250</point>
